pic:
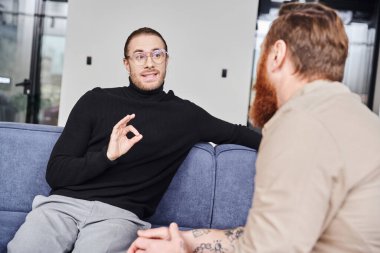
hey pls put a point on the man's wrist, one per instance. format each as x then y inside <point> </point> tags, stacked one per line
<point>189,240</point>
<point>107,157</point>
<point>110,157</point>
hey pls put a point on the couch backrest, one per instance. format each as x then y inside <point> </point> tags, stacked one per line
<point>212,188</point>
<point>190,196</point>
<point>24,153</point>
<point>234,185</point>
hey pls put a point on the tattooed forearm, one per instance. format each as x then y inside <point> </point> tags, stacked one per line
<point>216,247</point>
<point>212,240</point>
<point>234,234</point>
<point>203,247</point>
<point>200,232</point>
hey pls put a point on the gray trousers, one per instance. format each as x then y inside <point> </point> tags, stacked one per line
<point>62,224</point>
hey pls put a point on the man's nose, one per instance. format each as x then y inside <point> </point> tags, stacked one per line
<point>149,61</point>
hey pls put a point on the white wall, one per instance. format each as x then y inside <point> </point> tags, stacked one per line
<point>376,102</point>
<point>203,37</point>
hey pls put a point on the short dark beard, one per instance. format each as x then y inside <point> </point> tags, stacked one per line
<point>146,91</point>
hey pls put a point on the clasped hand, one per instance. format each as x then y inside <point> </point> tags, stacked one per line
<point>158,240</point>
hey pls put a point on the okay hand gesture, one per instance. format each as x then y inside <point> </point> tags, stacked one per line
<point>119,143</point>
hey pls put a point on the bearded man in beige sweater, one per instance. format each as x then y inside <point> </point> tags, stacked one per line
<point>317,187</point>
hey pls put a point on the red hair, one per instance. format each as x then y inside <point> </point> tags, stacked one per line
<point>315,37</point>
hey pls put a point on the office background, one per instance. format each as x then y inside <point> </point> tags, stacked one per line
<point>57,50</point>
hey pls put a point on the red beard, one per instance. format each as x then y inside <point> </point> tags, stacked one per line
<point>265,104</point>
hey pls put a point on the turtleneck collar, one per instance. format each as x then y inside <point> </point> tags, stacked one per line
<point>139,93</point>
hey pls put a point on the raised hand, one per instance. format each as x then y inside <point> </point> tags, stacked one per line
<point>119,143</point>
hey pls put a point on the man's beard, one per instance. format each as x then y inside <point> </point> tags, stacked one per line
<point>133,76</point>
<point>265,104</point>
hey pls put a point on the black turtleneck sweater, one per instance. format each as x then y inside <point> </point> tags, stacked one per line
<point>79,168</point>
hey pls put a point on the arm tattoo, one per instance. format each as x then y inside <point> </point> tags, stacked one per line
<point>200,232</point>
<point>202,247</point>
<point>234,234</point>
<point>217,247</point>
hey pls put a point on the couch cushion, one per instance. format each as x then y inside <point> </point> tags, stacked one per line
<point>189,198</point>
<point>23,160</point>
<point>235,170</point>
<point>24,152</point>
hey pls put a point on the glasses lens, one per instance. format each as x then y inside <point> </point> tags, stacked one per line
<point>139,58</point>
<point>158,56</point>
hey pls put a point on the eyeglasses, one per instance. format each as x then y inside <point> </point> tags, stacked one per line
<point>158,56</point>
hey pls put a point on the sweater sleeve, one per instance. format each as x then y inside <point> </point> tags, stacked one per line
<point>70,162</point>
<point>212,129</point>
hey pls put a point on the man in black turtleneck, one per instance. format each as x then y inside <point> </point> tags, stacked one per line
<point>116,157</point>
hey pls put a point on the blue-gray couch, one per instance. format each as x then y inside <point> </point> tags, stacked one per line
<point>212,189</point>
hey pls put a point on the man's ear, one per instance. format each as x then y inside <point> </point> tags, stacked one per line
<point>126,64</point>
<point>278,55</point>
